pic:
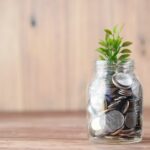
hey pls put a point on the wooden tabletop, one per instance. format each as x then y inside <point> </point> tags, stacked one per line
<point>55,131</point>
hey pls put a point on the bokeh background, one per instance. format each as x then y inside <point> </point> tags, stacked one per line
<point>47,49</point>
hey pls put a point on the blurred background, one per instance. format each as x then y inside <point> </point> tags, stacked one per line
<point>47,49</point>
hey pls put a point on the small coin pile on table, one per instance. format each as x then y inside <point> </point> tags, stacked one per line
<point>121,117</point>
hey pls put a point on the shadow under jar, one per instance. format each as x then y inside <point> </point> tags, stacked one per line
<point>115,104</point>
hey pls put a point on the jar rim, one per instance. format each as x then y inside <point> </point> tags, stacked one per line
<point>105,64</point>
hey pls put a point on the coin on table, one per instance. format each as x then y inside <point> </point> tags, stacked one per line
<point>122,80</point>
<point>131,119</point>
<point>114,121</point>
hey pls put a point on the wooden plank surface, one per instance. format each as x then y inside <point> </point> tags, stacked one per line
<point>47,49</point>
<point>56,131</point>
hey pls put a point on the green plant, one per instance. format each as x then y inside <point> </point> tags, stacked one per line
<point>113,48</point>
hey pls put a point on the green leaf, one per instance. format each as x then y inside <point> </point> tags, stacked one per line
<point>113,48</point>
<point>127,43</point>
<point>108,31</point>
<point>116,52</point>
<point>102,51</point>
<point>110,42</point>
<point>103,43</point>
<point>124,56</point>
<point>125,51</point>
<point>101,57</point>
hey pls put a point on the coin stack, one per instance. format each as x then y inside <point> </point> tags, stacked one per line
<point>122,116</point>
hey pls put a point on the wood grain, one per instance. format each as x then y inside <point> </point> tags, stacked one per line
<point>47,49</point>
<point>56,131</point>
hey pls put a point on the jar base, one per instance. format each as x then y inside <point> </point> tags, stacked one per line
<point>117,140</point>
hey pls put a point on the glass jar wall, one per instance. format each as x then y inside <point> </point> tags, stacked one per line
<point>115,104</point>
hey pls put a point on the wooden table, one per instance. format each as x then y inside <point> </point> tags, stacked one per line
<point>55,131</point>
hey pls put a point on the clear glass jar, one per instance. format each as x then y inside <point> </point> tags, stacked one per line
<point>115,104</point>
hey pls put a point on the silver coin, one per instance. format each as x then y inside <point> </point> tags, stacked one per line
<point>111,137</point>
<point>122,80</point>
<point>109,109</point>
<point>129,134</point>
<point>125,92</point>
<point>134,106</point>
<point>120,98</point>
<point>118,131</point>
<point>126,131</point>
<point>114,104</point>
<point>125,107</point>
<point>131,119</point>
<point>114,121</point>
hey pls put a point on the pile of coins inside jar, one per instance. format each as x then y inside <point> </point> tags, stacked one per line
<point>121,117</point>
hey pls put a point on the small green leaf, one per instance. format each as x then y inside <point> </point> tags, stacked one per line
<point>108,31</point>
<point>102,51</point>
<point>123,61</point>
<point>124,56</point>
<point>127,43</point>
<point>110,42</point>
<point>102,43</point>
<point>101,57</point>
<point>125,51</point>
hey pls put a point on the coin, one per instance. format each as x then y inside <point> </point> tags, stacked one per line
<point>122,106</point>
<point>132,105</point>
<point>125,107</point>
<point>114,121</point>
<point>109,109</point>
<point>120,98</point>
<point>125,92</point>
<point>135,106</point>
<point>126,131</point>
<point>114,104</point>
<point>122,80</point>
<point>111,137</point>
<point>131,119</point>
<point>117,131</point>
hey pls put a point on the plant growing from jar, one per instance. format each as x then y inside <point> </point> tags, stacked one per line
<point>115,94</point>
<point>112,48</point>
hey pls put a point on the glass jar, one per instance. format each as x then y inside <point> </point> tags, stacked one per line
<point>115,104</point>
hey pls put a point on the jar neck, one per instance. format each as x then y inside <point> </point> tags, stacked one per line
<point>104,68</point>
<point>127,67</point>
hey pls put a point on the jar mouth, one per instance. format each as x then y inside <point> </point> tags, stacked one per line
<point>102,63</point>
